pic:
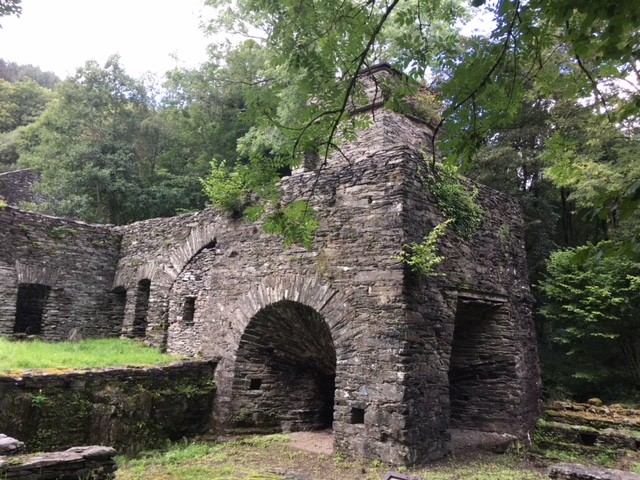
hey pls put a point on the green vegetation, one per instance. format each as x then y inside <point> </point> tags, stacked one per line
<point>455,201</point>
<point>271,457</point>
<point>423,257</point>
<point>593,306</point>
<point>23,355</point>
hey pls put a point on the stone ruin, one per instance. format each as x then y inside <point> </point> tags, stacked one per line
<point>341,336</point>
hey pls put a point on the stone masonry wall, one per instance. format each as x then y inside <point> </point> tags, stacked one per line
<point>343,334</point>
<point>127,408</point>
<point>75,265</point>
<point>16,186</point>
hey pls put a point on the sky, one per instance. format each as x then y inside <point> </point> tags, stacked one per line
<point>61,35</point>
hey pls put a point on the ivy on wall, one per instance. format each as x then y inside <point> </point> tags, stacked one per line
<point>455,201</point>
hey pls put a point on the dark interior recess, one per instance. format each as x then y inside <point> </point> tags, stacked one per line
<point>288,348</point>
<point>30,308</point>
<point>357,416</point>
<point>482,376</point>
<point>255,384</point>
<point>143,292</point>
<point>188,309</point>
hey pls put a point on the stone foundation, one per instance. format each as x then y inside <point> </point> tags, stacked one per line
<point>127,408</point>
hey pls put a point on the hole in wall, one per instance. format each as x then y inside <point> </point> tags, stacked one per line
<point>588,439</point>
<point>255,384</point>
<point>30,308</point>
<point>188,309</point>
<point>357,416</point>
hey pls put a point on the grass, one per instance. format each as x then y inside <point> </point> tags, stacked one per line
<point>16,356</point>
<point>272,457</point>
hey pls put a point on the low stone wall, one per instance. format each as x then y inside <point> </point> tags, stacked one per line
<point>127,408</point>
<point>95,463</point>
<point>574,471</point>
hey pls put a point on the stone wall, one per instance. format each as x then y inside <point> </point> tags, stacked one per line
<point>93,462</point>
<point>127,408</point>
<point>574,471</point>
<point>16,186</point>
<point>345,326</point>
<point>56,275</point>
<point>343,334</point>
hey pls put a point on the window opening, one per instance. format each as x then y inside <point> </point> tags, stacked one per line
<point>30,307</point>
<point>357,416</point>
<point>188,309</point>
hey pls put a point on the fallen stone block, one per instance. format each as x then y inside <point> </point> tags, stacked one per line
<point>9,445</point>
<point>575,471</point>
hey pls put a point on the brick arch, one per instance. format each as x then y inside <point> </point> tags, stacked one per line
<point>162,274</point>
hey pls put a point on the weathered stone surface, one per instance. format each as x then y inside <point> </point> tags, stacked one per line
<point>92,462</point>
<point>574,471</point>
<point>343,334</point>
<point>127,408</point>
<point>70,263</point>
<point>17,186</point>
<point>9,445</point>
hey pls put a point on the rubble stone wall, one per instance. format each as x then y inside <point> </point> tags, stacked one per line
<point>75,265</point>
<point>127,408</point>
<point>345,334</point>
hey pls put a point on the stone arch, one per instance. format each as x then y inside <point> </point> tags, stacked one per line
<point>289,334</point>
<point>161,274</point>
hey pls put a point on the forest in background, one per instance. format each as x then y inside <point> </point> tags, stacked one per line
<point>544,109</point>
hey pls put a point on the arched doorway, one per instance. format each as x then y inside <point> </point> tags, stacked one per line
<point>284,374</point>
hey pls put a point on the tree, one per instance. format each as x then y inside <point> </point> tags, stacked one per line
<point>84,146</point>
<point>21,103</point>
<point>13,72</point>
<point>594,308</point>
<point>10,7</point>
<point>316,49</point>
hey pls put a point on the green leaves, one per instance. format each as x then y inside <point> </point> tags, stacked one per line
<point>296,223</point>
<point>455,202</point>
<point>422,258</point>
<point>593,304</point>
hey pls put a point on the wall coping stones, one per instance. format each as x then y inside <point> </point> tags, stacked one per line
<point>93,461</point>
<point>18,376</point>
<point>575,471</point>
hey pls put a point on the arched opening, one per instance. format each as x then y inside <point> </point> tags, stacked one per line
<point>284,376</point>
<point>482,371</point>
<point>143,291</point>
<point>30,307</point>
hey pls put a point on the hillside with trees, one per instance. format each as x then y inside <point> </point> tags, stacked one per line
<point>544,108</point>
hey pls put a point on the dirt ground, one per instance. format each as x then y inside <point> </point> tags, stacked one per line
<point>464,442</point>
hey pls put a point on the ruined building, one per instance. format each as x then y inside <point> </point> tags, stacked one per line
<point>341,336</point>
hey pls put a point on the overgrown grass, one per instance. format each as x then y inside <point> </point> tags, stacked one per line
<point>96,353</point>
<point>272,457</point>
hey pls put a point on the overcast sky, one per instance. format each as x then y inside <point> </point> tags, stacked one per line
<point>60,35</point>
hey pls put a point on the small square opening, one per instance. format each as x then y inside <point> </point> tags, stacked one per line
<point>357,416</point>
<point>255,384</point>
